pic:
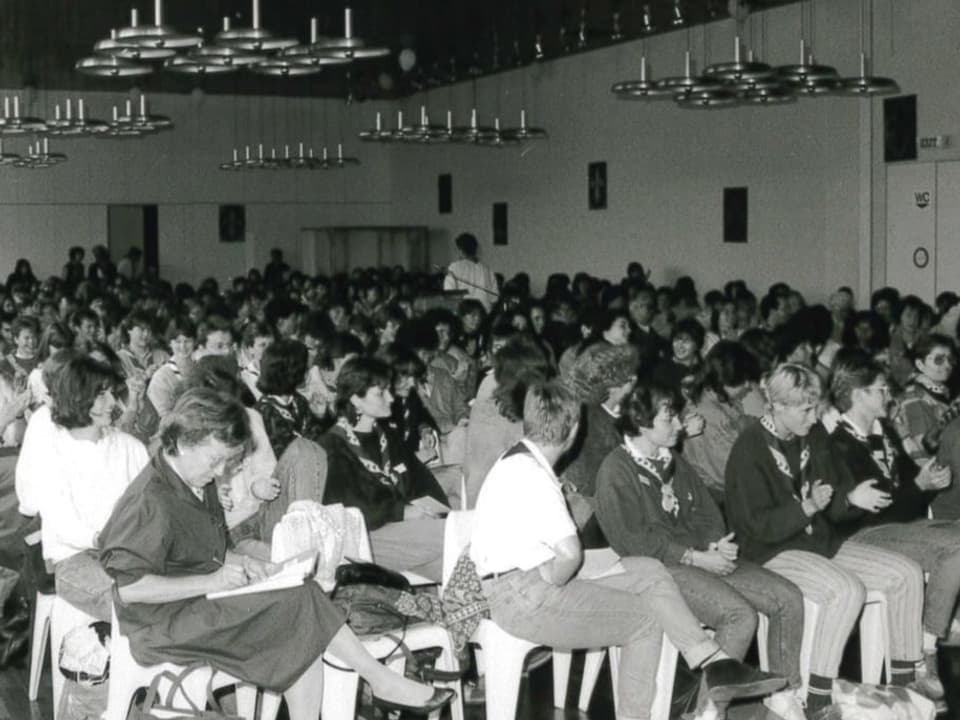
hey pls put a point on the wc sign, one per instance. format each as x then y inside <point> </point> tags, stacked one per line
<point>922,198</point>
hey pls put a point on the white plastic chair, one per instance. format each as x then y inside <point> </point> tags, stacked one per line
<point>505,653</point>
<point>127,676</point>
<point>340,686</point>
<point>874,639</point>
<point>43,611</point>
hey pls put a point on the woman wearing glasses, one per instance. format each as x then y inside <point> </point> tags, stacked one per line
<point>892,491</point>
<point>926,396</point>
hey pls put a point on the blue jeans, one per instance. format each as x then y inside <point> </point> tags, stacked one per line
<point>631,610</point>
<point>83,583</point>
<point>935,546</point>
<point>729,604</point>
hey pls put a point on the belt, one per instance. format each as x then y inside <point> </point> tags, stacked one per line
<point>87,679</point>
<point>496,575</point>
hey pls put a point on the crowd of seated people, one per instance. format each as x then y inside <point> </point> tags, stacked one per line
<point>742,454</point>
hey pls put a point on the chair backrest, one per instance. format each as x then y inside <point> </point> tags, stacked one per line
<point>457,531</point>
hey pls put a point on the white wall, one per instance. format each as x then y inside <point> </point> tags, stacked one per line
<point>666,167</point>
<point>815,169</point>
<point>44,212</point>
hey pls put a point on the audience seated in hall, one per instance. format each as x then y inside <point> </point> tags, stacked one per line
<point>354,389</point>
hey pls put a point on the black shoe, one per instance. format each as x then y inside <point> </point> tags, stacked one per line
<point>13,650</point>
<point>728,679</point>
<point>432,675</point>
<point>441,698</point>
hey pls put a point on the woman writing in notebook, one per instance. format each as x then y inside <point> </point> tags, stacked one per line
<point>166,548</point>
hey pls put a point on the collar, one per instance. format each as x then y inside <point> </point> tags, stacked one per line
<point>767,422</point>
<point>539,457</point>
<point>857,431</point>
<point>928,384</point>
<point>663,454</point>
<point>614,414</point>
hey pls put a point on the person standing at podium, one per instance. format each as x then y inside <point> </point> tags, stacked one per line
<point>471,275</point>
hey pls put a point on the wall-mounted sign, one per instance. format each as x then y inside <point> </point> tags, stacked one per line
<point>921,258</point>
<point>923,198</point>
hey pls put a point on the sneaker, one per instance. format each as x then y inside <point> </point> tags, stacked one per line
<point>729,679</point>
<point>930,687</point>
<point>830,712</point>
<point>786,705</point>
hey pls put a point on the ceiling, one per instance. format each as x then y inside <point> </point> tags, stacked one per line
<point>454,40</point>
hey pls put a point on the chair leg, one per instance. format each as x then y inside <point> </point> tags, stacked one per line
<point>269,705</point>
<point>592,664</point>
<point>666,672</point>
<point>39,640</point>
<point>502,680</point>
<point>448,661</point>
<point>339,694</point>
<point>246,701</point>
<point>873,642</point>
<point>561,677</point>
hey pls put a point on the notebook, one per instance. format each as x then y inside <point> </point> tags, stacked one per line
<point>292,573</point>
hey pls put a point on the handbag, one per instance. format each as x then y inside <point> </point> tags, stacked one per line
<point>154,708</point>
<point>368,573</point>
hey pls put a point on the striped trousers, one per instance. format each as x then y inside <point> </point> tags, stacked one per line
<point>839,585</point>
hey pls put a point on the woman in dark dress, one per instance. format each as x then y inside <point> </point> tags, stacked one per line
<point>166,547</point>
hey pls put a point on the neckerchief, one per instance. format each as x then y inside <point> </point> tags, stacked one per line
<point>284,410</point>
<point>387,473</point>
<point>881,449</point>
<point>798,481</point>
<point>938,392</point>
<point>660,470</point>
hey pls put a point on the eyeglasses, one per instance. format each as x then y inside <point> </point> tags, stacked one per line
<point>939,360</point>
<point>884,389</point>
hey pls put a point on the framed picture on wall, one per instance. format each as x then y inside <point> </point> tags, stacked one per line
<point>233,223</point>
<point>597,185</point>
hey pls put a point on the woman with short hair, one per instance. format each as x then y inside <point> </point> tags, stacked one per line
<point>729,373</point>
<point>164,386</point>
<point>926,396</point>
<point>286,413</point>
<point>85,466</point>
<point>166,548</point>
<point>368,467</point>
<point>892,491</point>
<point>650,502</point>
<point>784,494</point>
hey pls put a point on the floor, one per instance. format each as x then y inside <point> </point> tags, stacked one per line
<point>536,699</point>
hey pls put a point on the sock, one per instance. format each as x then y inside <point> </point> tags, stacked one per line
<point>718,655</point>
<point>818,693</point>
<point>903,672</point>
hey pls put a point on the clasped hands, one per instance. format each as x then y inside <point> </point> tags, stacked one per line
<point>720,557</point>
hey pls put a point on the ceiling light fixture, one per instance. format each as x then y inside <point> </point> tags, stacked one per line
<point>865,85</point>
<point>348,46</point>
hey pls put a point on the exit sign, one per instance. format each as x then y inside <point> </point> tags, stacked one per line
<point>933,142</point>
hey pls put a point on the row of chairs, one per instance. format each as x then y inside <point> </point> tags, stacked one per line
<point>502,656</point>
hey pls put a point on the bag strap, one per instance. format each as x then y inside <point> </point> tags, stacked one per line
<point>401,646</point>
<point>176,686</point>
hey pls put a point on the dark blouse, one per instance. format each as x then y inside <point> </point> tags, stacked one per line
<point>909,501</point>
<point>630,508</point>
<point>159,527</point>
<point>763,501</point>
<point>284,422</point>
<point>379,498</point>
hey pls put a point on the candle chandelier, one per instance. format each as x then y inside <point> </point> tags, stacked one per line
<point>69,122</point>
<point>138,49</point>
<point>747,81</point>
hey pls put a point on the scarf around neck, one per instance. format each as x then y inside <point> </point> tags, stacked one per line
<point>385,470</point>
<point>658,470</point>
